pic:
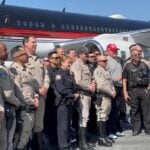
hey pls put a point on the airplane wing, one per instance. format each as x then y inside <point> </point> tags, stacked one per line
<point>140,36</point>
<point>143,38</point>
<point>125,39</point>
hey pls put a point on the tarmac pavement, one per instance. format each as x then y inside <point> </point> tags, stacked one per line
<point>127,142</point>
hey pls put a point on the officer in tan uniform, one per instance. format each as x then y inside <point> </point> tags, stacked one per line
<point>7,85</point>
<point>105,90</point>
<point>86,87</point>
<point>26,93</point>
<point>2,121</point>
<point>41,79</point>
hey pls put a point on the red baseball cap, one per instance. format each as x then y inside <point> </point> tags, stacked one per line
<point>112,47</point>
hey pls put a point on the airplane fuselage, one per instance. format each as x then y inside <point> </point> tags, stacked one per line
<point>50,26</point>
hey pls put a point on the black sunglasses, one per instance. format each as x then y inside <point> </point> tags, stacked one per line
<point>102,60</point>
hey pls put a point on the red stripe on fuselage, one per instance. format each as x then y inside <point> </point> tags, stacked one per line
<point>44,34</point>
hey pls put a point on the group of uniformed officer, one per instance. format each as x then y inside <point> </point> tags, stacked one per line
<point>64,81</point>
<point>23,90</point>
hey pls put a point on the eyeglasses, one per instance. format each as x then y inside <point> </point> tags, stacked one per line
<point>102,60</point>
<point>96,54</point>
<point>54,57</point>
<point>46,60</point>
<point>92,56</point>
<point>23,54</point>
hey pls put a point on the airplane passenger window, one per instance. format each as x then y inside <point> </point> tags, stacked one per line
<point>125,38</point>
<point>63,26</point>
<point>67,26</point>
<point>25,23</point>
<point>85,28</point>
<point>77,27</point>
<point>90,28</point>
<point>94,28</point>
<point>7,19</point>
<point>72,27</point>
<point>102,29</point>
<point>97,29</point>
<point>81,27</point>
<point>117,30</point>
<point>109,29</point>
<point>18,22</point>
<point>42,25</point>
<point>105,29</point>
<point>30,24</point>
<point>36,24</point>
<point>113,30</point>
<point>52,25</point>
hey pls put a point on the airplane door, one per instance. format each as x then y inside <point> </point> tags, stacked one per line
<point>92,44</point>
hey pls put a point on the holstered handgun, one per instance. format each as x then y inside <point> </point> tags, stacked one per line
<point>58,98</point>
<point>10,115</point>
<point>19,127</point>
<point>28,108</point>
<point>99,98</point>
<point>19,121</point>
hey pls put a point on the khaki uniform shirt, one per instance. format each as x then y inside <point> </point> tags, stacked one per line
<point>7,84</point>
<point>81,74</point>
<point>38,71</point>
<point>24,84</point>
<point>103,80</point>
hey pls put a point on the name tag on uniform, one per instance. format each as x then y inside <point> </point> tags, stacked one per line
<point>58,77</point>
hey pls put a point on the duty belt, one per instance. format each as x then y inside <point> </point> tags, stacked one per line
<point>137,88</point>
<point>103,94</point>
<point>28,108</point>
<point>87,93</point>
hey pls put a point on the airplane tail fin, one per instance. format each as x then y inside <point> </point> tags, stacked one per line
<point>3,2</point>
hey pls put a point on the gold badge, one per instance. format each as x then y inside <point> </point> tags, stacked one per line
<point>58,77</point>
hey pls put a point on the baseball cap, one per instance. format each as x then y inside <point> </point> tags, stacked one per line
<point>82,50</point>
<point>112,47</point>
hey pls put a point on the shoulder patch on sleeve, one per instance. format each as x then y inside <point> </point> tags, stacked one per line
<point>77,67</point>
<point>3,74</point>
<point>13,71</point>
<point>58,77</point>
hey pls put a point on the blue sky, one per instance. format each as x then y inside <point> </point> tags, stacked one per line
<point>131,9</point>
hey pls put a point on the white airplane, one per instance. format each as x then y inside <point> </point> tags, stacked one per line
<point>122,40</point>
<point>53,27</point>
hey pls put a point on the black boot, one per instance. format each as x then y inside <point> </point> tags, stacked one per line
<point>102,141</point>
<point>20,148</point>
<point>39,137</point>
<point>110,140</point>
<point>83,145</point>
